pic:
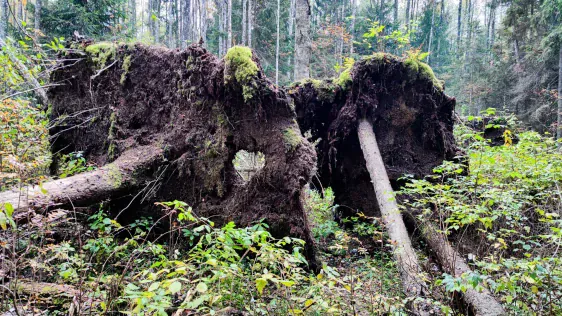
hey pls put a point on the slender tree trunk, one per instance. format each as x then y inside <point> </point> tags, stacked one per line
<point>431,31</point>
<point>459,25</point>
<point>4,19</point>
<point>277,46</point>
<point>38,14</point>
<point>26,74</point>
<point>132,18</point>
<point>406,258</point>
<point>395,18</point>
<point>381,12</point>
<point>302,40</point>
<point>353,17</point>
<point>408,3</point>
<point>250,21</point>
<point>559,131</point>
<point>245,22</point>
<point>229,25</point>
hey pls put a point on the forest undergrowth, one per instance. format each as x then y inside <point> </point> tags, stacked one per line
<point>502,214</point>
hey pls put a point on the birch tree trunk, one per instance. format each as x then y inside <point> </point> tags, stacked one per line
<point>3,19</point>
<point>302,40</point>
<point>559,130</point>
<point>277,45</point>
<point>38,14</point>
<point>406,258</point>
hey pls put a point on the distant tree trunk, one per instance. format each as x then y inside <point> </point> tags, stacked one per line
<point>395,18</point>
<point>354,13</point>
<point>157,9</point>
<point>170,25</point>
<point>302,40</point>
<point>229,24</point>
<point>38,14</point>
<point>406,258</point>
<point>381,13</point>
<point>277,46</point>
<point>559,131</point>
<point>250,21</point>
<point>220,7</point>
<point>408,3</point>
<point>185,22</point>
<point>245,22</point>
<point>431,31</point>
<point>459,25</point>
<point>4,19</point>
<point>516,51</point>
<point>203,34</point>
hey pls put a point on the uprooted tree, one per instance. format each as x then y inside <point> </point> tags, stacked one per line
<point>167,124</point>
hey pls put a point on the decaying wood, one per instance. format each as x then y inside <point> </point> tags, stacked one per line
<point>481,302</point>
<point>406,258</point>
<point>90,187</point>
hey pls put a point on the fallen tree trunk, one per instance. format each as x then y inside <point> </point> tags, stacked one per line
<point>482,302</point>
<point>407,261</point>
<point>127,172</point>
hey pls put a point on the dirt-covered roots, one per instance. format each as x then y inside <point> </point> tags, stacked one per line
<point>200,111</point>
<point>411,115</point>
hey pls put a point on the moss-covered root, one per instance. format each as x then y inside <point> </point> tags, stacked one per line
<point>240,68</point>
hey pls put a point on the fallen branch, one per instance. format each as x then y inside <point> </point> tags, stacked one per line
<point>406,258</point>
<point>24,72</point>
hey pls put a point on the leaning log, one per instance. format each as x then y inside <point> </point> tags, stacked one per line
<point>482,303</point>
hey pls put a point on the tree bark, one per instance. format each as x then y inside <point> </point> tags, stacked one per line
<point>302,40</point>
<point>406,258</point>
<point>229,24</point>
<point>24,72</point>
<point>354,13</point>
<point>459,25</point>
<point>408,3</point>
<point>245,22</point>
<point>250,21</point>
<point>87,188</point>
<point>431,31</point>
<point>482,303</point>
<point>277,44</point>
<point>4,19</point>
<point>559,131</point>
<point>38,14</point>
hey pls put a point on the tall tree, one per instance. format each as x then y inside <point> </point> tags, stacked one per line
<point>250,21</point>
<point>245,22</point>
<point>559,130</point>
<point>459,25</point>
<point>353,17</point>
<point>4,18</point>
<point>37,15</point>
<point>302,40</point>
<point>229,24</point>
<point>277,46</point>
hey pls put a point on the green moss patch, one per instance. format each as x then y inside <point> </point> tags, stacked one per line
<point>126,66</point>
<point>239,60</point>
<point>424,71</point>
<point>292,139</point>
<point>100,53</point>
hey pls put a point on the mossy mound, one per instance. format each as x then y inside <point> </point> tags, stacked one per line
<point>242,68</point>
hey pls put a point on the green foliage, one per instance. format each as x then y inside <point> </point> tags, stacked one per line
<point>507,205</point>
<point>292,138</point>
<point>345,76</point>
<point>73,163</point>
<point>125,67</point>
